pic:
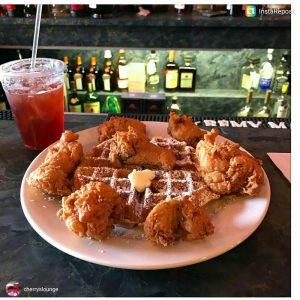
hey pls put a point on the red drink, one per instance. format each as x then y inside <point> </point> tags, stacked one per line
<point>40,117</point>
<point>36,98</point>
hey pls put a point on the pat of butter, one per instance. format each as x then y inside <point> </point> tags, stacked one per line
<point>140,180</point>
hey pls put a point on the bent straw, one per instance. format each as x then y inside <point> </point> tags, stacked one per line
<point>36,35</point>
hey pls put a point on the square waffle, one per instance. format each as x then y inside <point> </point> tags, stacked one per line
<point>185,155</point>
<point>165,185</point>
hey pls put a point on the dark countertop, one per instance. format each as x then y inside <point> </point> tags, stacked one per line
<point>154,31</point>
<point>157,20</point>
<point>260,266</point>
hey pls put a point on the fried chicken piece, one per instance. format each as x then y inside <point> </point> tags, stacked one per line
<point>162,223</point>
<point>182,128</point>
<point>134,148</point>
<point>114,124</point>
<point>195,223</point>
<point>52,176</point>
<point>92,210</point>
<point>227,169</point>
<point>182,218</point>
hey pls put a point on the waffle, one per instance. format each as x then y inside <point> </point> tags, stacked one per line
<point>165,185</point>
<point>185,155</point>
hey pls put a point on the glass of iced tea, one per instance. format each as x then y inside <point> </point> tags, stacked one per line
<point>36,99</point>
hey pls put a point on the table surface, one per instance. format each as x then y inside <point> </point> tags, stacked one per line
<point>260,266</point>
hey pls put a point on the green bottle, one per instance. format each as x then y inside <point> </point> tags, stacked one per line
<point>74,102</point>
<point>105,106</point>
<point>114,104</point>
<point>91,103</point>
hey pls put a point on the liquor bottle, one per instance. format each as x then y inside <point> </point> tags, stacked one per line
<point>266,72</point>
<point>175,107</point>
<point>2,98</point>
<point>122,72</point>
<point>283,109</point>
<point>94,11</point>
<point>152,74</point>
<point>2,10</point>
<point>114,104</point>
<point>187,75</point>
<point>171,73</point>
<point>91,103</point>
<point>105,105</point>
<point>80,75</point>
<point>94,74</point>
<point>102,11</point>
<point>183,9</point>
<point>282,74</point>
<point>60,10</point>
<point>15,11</point>
<point>108,73</point>
<point>75,104</point>
<point>68,73</point>
<point>250,74</point>
<point>235,10</point>
<point>280,100</point>
<point>78,11</point>
<point>29,10</point>
<point>247,110</point>
<point>264,111</point>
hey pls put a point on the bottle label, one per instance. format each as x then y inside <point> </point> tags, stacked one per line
<point>246,82</point>
<point>122,83</point>
<point>123,72</point>
<point>186,80</point>
<point>92,107</point>
<point>67,81</point>
<point>92,78</point>
<point>75,108</point>
<point>94,83</point>
<point>151,68</point>
<point>265,83</point>
<point>254,79</point>
<point>78,81</point>
<point>282,111</point>
<point>154,79</point>
<point>106,83</point>
<point>171,79</point>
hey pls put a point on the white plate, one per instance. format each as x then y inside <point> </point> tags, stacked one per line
<point>234,222</point>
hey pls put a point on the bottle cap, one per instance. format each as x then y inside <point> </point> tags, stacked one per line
<point>78,60</point>
<point>93,60</point>
<point>66,59</point>
<point>107,54</point>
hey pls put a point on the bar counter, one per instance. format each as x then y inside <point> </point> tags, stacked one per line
<point>260,266</point>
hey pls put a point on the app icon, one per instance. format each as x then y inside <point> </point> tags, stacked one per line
<point>250,11</point>
<point>13,289</point>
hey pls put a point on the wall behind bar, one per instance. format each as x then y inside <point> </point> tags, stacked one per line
<point>215,69</point>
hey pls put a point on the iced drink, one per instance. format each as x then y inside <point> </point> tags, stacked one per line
<point>36,99</point>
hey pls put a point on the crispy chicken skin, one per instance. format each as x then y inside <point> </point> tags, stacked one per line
<point>52,176</point>
<point>134,148</point>
<point>227,169</point>
<point>92,210</point>
<point>114,124</point>
<point>195,223</point>
<point>162,223</point>
<point>182,128</point>
<point>182,218</point>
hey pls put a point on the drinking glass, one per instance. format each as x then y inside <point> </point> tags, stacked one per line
<point>36,98</point>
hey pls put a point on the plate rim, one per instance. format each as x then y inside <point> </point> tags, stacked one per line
<point>157,266</point>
